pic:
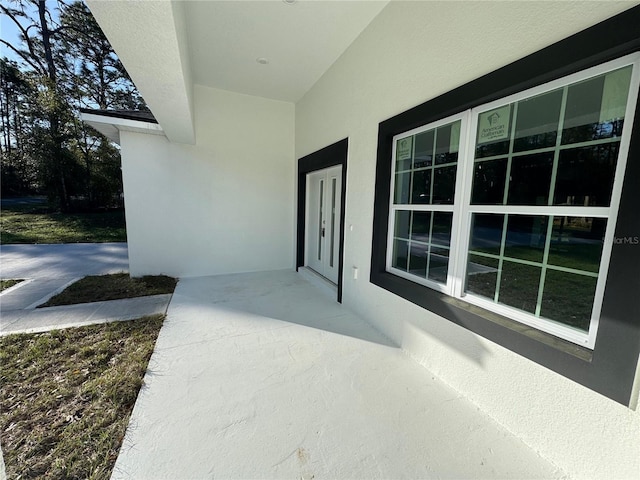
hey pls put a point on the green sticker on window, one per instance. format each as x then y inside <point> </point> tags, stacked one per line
<point>404,148</point>
<point>494,125</point>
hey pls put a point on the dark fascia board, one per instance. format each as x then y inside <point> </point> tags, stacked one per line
<point>330,156</point>
<point>610,368</point>
<point>137,115</point>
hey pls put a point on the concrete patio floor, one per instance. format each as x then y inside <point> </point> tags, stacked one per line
<point>264,376</point>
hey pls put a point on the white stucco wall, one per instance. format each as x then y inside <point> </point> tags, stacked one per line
<point>414,51</point>
<point>223,205</point>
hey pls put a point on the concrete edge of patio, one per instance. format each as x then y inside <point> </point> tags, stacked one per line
<point>50,318</point>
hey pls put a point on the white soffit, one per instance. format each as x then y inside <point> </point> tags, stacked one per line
<point>300,40</point>
<point>168,45</point>
<point>150,39</point>
<point>111,127</point>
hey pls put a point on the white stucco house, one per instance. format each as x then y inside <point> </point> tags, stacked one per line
<point>465,174</point>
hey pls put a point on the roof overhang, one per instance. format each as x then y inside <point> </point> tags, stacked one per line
<point>111,126</point>
<point>267,48</point>
<point>150,39</point>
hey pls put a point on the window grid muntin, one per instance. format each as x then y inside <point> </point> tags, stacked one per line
<point>559,146</point>
<point>569,146</point>
<point>430,245</point>
<point>458,187</point>
<point>543,264</point>
<point>436,128</point>
<point>463,209</point>
<point>558,268</point>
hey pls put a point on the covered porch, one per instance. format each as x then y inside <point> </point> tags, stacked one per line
<point>263,375</point>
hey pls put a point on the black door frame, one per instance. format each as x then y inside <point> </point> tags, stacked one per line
<point>331,156</point>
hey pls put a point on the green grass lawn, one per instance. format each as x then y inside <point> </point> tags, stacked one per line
<point>98,288</point>
<point>66,397</point>
<point>34,224</point>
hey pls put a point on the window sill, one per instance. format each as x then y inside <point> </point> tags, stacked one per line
<point>522,329</point>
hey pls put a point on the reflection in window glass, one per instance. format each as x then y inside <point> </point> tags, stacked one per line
<point>526,237</point>
<point>403,183</point>
<point>438,264</point>
<point>429,246</point>
<point>441,233</point>
<point>596,107</point>
<point>425,166</point>
<point>510,267</point>
<point>447,142</point>
<point>400,254</point>
<point>586,174</point>
<point>402,223</point>
<point>537,123</point>
<point>444,185</point>
<point>568,298</point>
<point>519,286</point>
<point>488,182</point>
<point>418,259</point>
<point>530,179</point>
<point>424,150</point>
<point>426,254</point>
<point>486,233</point>
<point>577,243</point>
<point>482,274</point>
<point>421,191</point>
<point>421,227</point>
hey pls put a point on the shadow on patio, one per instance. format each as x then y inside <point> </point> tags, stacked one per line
<point>261,376</point>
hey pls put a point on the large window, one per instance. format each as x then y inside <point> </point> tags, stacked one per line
<point>528,234</point>
<point>510,206</point>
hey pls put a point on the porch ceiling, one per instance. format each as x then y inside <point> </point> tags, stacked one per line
<point>169,45</point>
<point>300,41</point>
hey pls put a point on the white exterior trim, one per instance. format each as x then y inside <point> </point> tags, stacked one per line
<point>111,127</point>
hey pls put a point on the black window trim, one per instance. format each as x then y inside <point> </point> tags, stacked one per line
<point>611,368</point>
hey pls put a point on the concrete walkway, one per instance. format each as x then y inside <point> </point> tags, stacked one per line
<point>47,270</point>
<point>262,376</point>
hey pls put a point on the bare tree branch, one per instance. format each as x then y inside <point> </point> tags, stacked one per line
<point>13,14</point>
<point>35,65</point>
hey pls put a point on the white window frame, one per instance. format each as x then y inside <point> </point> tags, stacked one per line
<point>463,209</point>
<point>448,287</point>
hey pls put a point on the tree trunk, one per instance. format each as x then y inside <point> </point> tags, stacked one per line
<point>54,116</point>
<point>6,120</point>
<point>46,41</point>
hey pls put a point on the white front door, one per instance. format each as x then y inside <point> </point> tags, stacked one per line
<point>322,246</point>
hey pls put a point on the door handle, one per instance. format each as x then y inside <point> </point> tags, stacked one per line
<point>322,232</point>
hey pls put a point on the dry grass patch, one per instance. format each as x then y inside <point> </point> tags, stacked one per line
<point>98,288</point>
<point>66,397</point>
<point>4,284</point>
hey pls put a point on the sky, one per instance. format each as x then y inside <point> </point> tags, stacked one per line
<point>10,32</point>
